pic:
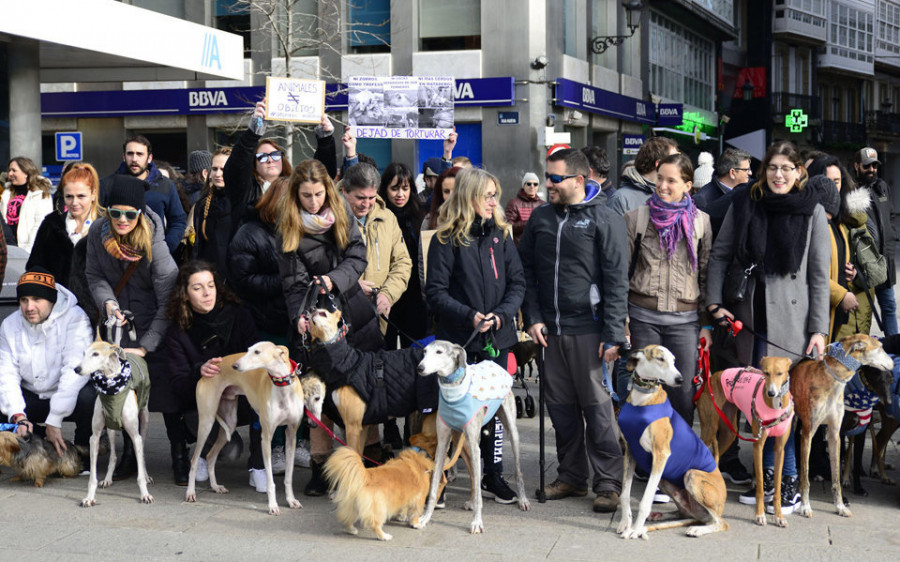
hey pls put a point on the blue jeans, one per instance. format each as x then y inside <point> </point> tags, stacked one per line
<point>790,458</point>
<point>888,305</point>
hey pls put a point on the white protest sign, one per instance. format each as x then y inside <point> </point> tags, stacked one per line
<point>293,99</point>
<point>401,107</point>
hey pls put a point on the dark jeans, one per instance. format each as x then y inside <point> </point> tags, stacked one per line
<point>37,410</point>
<point>888,305</point>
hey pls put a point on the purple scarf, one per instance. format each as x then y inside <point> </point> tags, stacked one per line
<point>674,221</point>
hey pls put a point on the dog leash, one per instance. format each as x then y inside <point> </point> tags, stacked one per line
<point>703,370</point>
<point>384,317</point>
<point>734,323</point>
<point>321,425</point>
<point>722,415</point>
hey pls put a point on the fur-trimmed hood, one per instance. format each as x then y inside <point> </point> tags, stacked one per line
<point>856,206</point>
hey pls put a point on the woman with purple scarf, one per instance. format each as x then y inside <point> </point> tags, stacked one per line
<point>669,241</point>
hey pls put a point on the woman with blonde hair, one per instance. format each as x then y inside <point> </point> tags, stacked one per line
<point>129,268</point>
<point>475,286</point>
<point>63,229</point>
<point>25,202</point>
<point>318,241</point>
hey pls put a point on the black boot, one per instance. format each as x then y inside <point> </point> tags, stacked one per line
<point>317,486</point>
<point>127,465</point>
<point>181,468</point>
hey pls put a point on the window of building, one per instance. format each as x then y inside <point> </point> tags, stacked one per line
<point>449,26</point>
<point>852,32</point>
<point>235,19</point>
<point>889,27</point>
<point>682,63</point>
<point>570,27</point>
<point>369,26</point>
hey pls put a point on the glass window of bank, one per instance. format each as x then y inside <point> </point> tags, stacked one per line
<point>369,26</point>
<point>449,26</point>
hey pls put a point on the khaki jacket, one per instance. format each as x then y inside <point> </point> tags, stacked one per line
<point>389,264</point>
<point>668,285</point>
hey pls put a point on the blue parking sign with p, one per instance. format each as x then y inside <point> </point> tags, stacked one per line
<point>68,146</point>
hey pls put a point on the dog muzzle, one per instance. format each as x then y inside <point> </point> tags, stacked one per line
<point>112,386</point>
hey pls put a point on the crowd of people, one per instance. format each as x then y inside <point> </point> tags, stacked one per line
<point>206,266</point>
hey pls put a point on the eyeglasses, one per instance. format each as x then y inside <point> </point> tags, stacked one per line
<point>783,169</point>
<point>745,170</point>
<point>116,214</point>
<point>491,197</point>
<point>556,178</point>
<point>264,157</point>
<point>873,166</point>
<point>531,183</point>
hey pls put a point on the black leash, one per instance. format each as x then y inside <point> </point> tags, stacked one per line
<point>725,322</point>
<point>372,302</point>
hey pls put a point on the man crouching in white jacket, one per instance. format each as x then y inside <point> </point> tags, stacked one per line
<point>40,346</point>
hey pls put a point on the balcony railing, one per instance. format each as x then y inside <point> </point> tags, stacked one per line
<point>883,122</point>
<point>836,132</point>
<point>784,102</point>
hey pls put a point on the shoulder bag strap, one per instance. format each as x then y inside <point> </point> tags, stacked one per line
<point>125,277</point>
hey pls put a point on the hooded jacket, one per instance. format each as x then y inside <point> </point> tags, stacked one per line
<point>42,358</point>
<point>162,197</point>
<point>32,212</point>
<point>147,292</point>
<point>879,225</point>
<point>519,210</point>
<point>575,259</point>
<point>634,190</point>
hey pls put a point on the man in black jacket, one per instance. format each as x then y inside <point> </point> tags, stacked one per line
<point>866,164</point>
<point>732,170</point>
<point>575,259</point>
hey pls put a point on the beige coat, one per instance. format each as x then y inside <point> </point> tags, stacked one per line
<point>34,208</point>
<point>389,264</point>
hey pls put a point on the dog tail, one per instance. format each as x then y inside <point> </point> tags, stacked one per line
<point>346,473</point>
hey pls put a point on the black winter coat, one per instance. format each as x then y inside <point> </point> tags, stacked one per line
<point>319,255</point>
<point>409,312</point>
<point>230,329</point>
<point>53,248</point>
<point>880,226</point>
<point>485,276</point>
<point>395,391</point>
<point>253,262</point>
<point>221,224</point>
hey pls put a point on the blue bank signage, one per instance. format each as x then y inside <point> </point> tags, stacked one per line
<point>198,101</point>
<point>669,114</point>
<point>68,146</point>
<point>594,100</point>
<point>631,144</point>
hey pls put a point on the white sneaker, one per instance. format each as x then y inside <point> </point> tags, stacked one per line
<point>258,479</point>
<point>302,456</point>
<point>279,463</point>
<point>202,471</point>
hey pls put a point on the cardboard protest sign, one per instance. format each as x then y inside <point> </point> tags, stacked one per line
<point>292,99</point>
<point>401,107</point>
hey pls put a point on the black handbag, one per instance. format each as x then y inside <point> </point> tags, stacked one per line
<point>737,282</point>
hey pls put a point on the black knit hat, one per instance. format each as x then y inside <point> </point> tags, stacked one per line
<point>198,161</point>
<point>829,196</point>
<point>127,191</point>
<point>37,282</point>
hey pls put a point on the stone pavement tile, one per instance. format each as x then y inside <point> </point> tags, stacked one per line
<point>825,554</point>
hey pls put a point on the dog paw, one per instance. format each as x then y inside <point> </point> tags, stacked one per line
<point>190,498</point>
<point>655,516</point>
<point>476,528</point>
<point>781,522</point>
<point>843,511</point>
<point>624,524</point>
<point>805,510</point>
<point>525,505</point>
<point>761,520</point>
<point>351,530</point>
<point>468,506</point>
<point>219,489</point>
<point>632,534</point>
<point>105,483</point>
<point>294,503</point>
<point>88,502</point>
<point>888,481</point>
<point>147,499</point>
<point>385,537</point>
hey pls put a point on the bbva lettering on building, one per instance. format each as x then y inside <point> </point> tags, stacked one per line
<point>204,98</point>
<point>669,111</point>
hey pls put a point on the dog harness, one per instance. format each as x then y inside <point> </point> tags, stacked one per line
<point>743,387</point>
<point>688,451</point>
<point>860,401</point>
<point>113,392</point>
<point>471,389</point>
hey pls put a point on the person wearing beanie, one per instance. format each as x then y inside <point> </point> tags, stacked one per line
<point>199,162</point>
<point>703,173</point>
<point>40,346</point>
<point>161,192</point>
<point>519,208</point>
<point>129,268</point>
<point>213,218</point>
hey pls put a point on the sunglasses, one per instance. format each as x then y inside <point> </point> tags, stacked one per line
<point>264,157</point>
<point>531,183</point>
<point>872,166</point>
<point>116,214</point>
<point>556,178</point>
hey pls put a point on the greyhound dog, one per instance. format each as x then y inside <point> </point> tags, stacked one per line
<point>264,375</point>
<point>123,391</point>
<point>661,442</point>
<point>765,399</point>
<point>818,391</point>
<point>470,394</point>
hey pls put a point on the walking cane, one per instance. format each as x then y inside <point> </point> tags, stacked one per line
<point>542,494</point>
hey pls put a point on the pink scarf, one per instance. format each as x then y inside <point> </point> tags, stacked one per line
<point>674,221</point>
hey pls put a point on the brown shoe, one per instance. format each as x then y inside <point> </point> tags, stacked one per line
<point>559,490</point>
<point>606,502</point>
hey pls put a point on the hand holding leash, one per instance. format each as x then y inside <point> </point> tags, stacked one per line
<point>23,426</point>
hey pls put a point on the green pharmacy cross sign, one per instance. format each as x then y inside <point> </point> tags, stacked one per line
<point>796,121</point>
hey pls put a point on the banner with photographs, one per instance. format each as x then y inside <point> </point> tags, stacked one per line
<point>401,107</point>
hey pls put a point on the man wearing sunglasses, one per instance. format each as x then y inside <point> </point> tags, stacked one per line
<point>866,165</point>
<point>161,194</point>
<point>575,258</point>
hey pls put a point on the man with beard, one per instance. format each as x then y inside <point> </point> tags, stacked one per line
<point>161,194</point>
<point>575,258</point>
<point>866,164</point>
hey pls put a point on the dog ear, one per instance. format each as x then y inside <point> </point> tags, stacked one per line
<point>632,362</point>
<point>461,355</point>
<point>120,353</point>
<point>859,346</point>
<point>338,313</point>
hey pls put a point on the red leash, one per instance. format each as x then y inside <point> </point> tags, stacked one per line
<point>702,369</point>
<point>333,436</point>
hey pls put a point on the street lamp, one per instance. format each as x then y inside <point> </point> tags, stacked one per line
<point>747,90</point>
<point>633,9</point>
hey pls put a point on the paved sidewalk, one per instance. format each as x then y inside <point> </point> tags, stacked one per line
<point>49,524</point>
